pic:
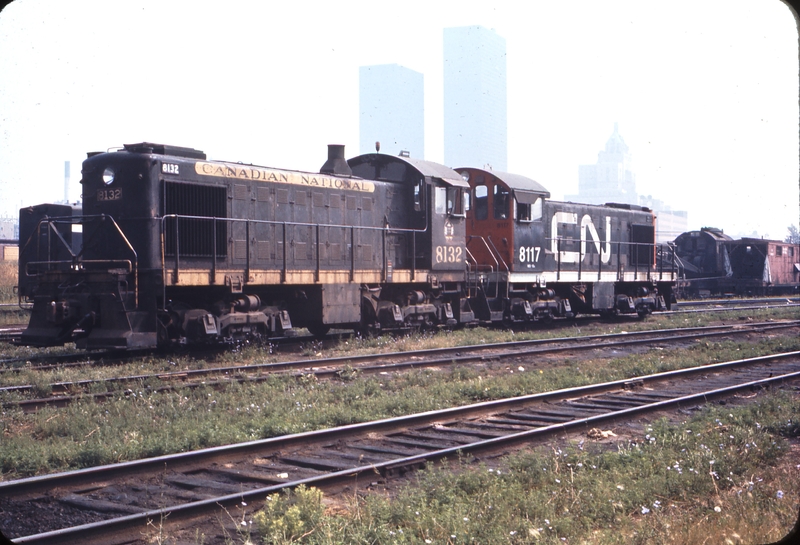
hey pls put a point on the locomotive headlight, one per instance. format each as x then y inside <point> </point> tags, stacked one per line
<point>108,176</point>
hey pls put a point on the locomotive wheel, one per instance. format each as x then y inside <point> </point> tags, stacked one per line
<point>318,329</point>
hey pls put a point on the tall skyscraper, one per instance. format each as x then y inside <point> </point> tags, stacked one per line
<point>392,108</point>
<point>475,108</point>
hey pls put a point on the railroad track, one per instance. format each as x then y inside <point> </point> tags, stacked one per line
<point>113,504</point>
<point>63,393</point>
<point>11,333</point>
<point>737,302</point>
<point>715,305</point>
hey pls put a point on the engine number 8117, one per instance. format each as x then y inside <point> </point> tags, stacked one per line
<point>529,254</point>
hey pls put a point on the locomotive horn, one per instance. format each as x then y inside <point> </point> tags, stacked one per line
<point>336,163</point>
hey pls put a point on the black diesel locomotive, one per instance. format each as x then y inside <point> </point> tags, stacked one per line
<point>179,249</point>
<point>712,263</point>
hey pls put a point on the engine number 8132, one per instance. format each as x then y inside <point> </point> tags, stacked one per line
<point>109,194</point>
<point>449,254</point>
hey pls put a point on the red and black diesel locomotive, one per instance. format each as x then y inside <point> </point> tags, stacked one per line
<point>175,248</point>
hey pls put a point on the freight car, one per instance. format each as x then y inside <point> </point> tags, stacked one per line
<point>712,263</point>
<point>181,249</point>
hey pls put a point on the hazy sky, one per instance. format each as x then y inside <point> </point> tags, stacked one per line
<point>705,92</point>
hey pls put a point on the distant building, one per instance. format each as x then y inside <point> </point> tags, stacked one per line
<point>669,223</point>
<point>475,105</point>
<point>391,106</point>
<point>611,179</point>
<point>8,229</point>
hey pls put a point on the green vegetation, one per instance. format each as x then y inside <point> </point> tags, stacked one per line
<point>8,295</point>
<point>721,477</point>
<point>140,423</point>
<point>8,279</point>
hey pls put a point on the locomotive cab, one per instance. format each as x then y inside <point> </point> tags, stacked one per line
<point>506,240</point>
<point>505,219</point>
<point>425,230</point>
<point>535,258</point>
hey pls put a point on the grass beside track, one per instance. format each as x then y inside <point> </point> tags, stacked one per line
<point>518,502</point>
<point>144,424</point>
<point>727,475</point>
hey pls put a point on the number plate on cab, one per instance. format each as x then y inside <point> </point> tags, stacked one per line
<point>109,194</point>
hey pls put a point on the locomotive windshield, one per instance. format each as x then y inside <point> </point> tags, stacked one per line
<point>500,201</point>
<point>527,212</point>
<point>481,202</point>
<point>450,201</point>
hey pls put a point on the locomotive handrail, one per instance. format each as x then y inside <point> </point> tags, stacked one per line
<point>505,265</point>
<point>503,261</point>
<point>103,218</point>
<point>77,258</point>
<point>36,233</point>
<point>469,272</point>
<point>470,237</point>
<point>491,269</point>
<point>29,266</point>
<point>24,247</point>
<point>284,232</point>
<point>651,267</point>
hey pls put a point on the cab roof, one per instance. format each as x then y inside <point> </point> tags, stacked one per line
<point>393,168</point>
<point>515,182</point>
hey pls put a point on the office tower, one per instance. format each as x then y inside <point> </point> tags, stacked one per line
<point>475,110</point>
<point>391,106</point>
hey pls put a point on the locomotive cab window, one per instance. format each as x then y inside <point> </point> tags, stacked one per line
<point>528,212</point>
<point>481,202</point>
<point>449,200</point>
<point>441,198</point>
<point>419,195</point>
<point>455,201</point>
<point>500,201</point>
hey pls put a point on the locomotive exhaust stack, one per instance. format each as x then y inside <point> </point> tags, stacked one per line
<point>336,163</point>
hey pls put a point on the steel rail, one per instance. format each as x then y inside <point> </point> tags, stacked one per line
<point>105,529</point>
<point>728,309</point>
<point>237,376</point>
<point>709,302</point>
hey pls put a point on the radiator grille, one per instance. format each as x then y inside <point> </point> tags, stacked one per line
<point>195,237</point>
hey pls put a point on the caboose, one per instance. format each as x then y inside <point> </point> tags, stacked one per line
<point>762,267</point>
<point>181,249</point>
<point>533,258</point>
